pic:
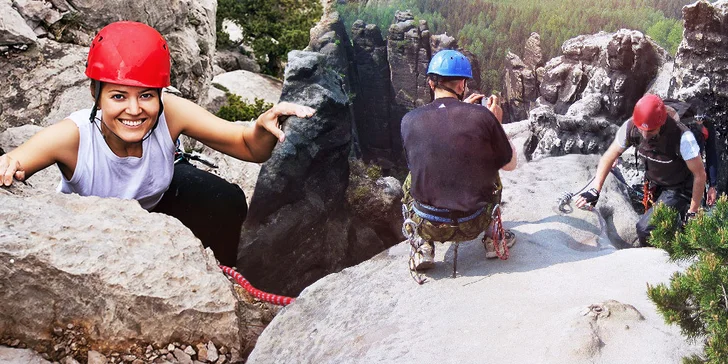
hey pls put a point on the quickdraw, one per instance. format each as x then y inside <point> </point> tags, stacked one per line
<point>263,296</point>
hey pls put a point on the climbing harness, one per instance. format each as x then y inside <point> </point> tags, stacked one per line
<point>410,229</point>
<point>263,296</point>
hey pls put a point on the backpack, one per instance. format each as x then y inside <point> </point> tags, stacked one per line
<point>687,112</point>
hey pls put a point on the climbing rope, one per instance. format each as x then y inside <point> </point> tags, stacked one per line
<point>409,230</point>
<point>263,296</point>
<point>499,234</point>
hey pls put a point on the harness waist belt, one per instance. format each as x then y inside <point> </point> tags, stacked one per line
<point>446,216</point>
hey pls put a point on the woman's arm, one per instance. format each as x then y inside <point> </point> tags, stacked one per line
<point>57,143</point>
<point>253,144</point>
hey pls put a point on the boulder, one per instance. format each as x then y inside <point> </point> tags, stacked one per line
<point>298,227</point>
<point>43,181</point>
<point>120,276</point>
<point>13,28</point>
<point>565,295</point>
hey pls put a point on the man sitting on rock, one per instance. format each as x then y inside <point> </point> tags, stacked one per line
<point>454,150</point>
<point>675,170</point>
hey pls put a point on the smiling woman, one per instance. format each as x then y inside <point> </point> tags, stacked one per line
<point>124,145</point>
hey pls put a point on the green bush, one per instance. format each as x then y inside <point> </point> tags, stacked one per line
<point>271,27</point>
<point>696,299</point>
<point>238,109</point>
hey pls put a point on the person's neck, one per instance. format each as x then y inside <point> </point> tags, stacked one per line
<point>440,93</point>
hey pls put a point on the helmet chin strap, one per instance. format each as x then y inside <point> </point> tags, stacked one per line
<point>448,89</point>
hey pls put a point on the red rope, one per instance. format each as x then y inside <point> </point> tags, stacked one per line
<point>499,237</point>
<point>263,296</point>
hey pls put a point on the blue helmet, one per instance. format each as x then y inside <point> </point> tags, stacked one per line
<point>450,63</point>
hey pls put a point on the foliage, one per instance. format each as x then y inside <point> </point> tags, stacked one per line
<point>271,27</point>
<point>238,109</point>
<point>490,28</point>
<point>696,299</point>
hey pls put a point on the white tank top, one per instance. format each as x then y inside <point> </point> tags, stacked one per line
<point>100,172</point>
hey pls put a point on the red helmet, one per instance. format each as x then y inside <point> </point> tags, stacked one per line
<point>131,54</point>
<point>649,113</point>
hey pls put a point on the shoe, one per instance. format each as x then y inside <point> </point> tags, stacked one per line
<point>424,257</point>
<point>490,248</point>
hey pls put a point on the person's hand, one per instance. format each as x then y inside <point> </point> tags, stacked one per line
<point>590,198</point>
<point>493,104</point>
<point>9,169</point>
<point>474,98</point>
<point>712,196</point>
<point>270,122</point>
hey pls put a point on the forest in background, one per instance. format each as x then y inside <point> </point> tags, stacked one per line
<point>491,28</point>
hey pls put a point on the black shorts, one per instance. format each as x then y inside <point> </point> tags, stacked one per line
<point>212,208</point>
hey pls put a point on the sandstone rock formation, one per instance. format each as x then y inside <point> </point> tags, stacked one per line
<point>701,70</point>
<point>408,51</point>
<point>121,277</point>
<point>375,124</point>
<point>594,84</point>
<point>298,227</point>
<point>565,295</point>
<point>521,80</point>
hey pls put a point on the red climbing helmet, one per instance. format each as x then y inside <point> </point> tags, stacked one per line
<point>649,113</point>
<point>131,54</point>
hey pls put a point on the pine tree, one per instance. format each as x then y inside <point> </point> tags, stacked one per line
<point>696,299</point>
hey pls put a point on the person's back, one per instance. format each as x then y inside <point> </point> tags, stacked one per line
<point>454,151</point>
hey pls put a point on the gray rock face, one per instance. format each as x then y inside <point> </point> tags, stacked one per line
<point>521,81</point>
<point>13,29</point>
<point>553,134</point>
<point>521,88</point>
<point>595,83</point>
<point>113,271</point>
<point>43,181</point>
<point>701,70</point>
<point>532,53</point>
<point>233,61</point>
<point>57,75</point>
<point>618,66</point>
<point>329,38</point>
<point>375,125</point>
<point>376,201</point>
<point>31,97</point>
<point>298,228</point>
<point>564,296</point>
<point>408,51</point>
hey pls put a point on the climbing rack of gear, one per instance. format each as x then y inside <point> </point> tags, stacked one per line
<point>263,296</point>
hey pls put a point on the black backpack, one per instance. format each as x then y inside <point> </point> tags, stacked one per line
<point>687,113</point>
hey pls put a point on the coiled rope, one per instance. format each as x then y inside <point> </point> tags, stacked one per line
<point>263,296</point>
